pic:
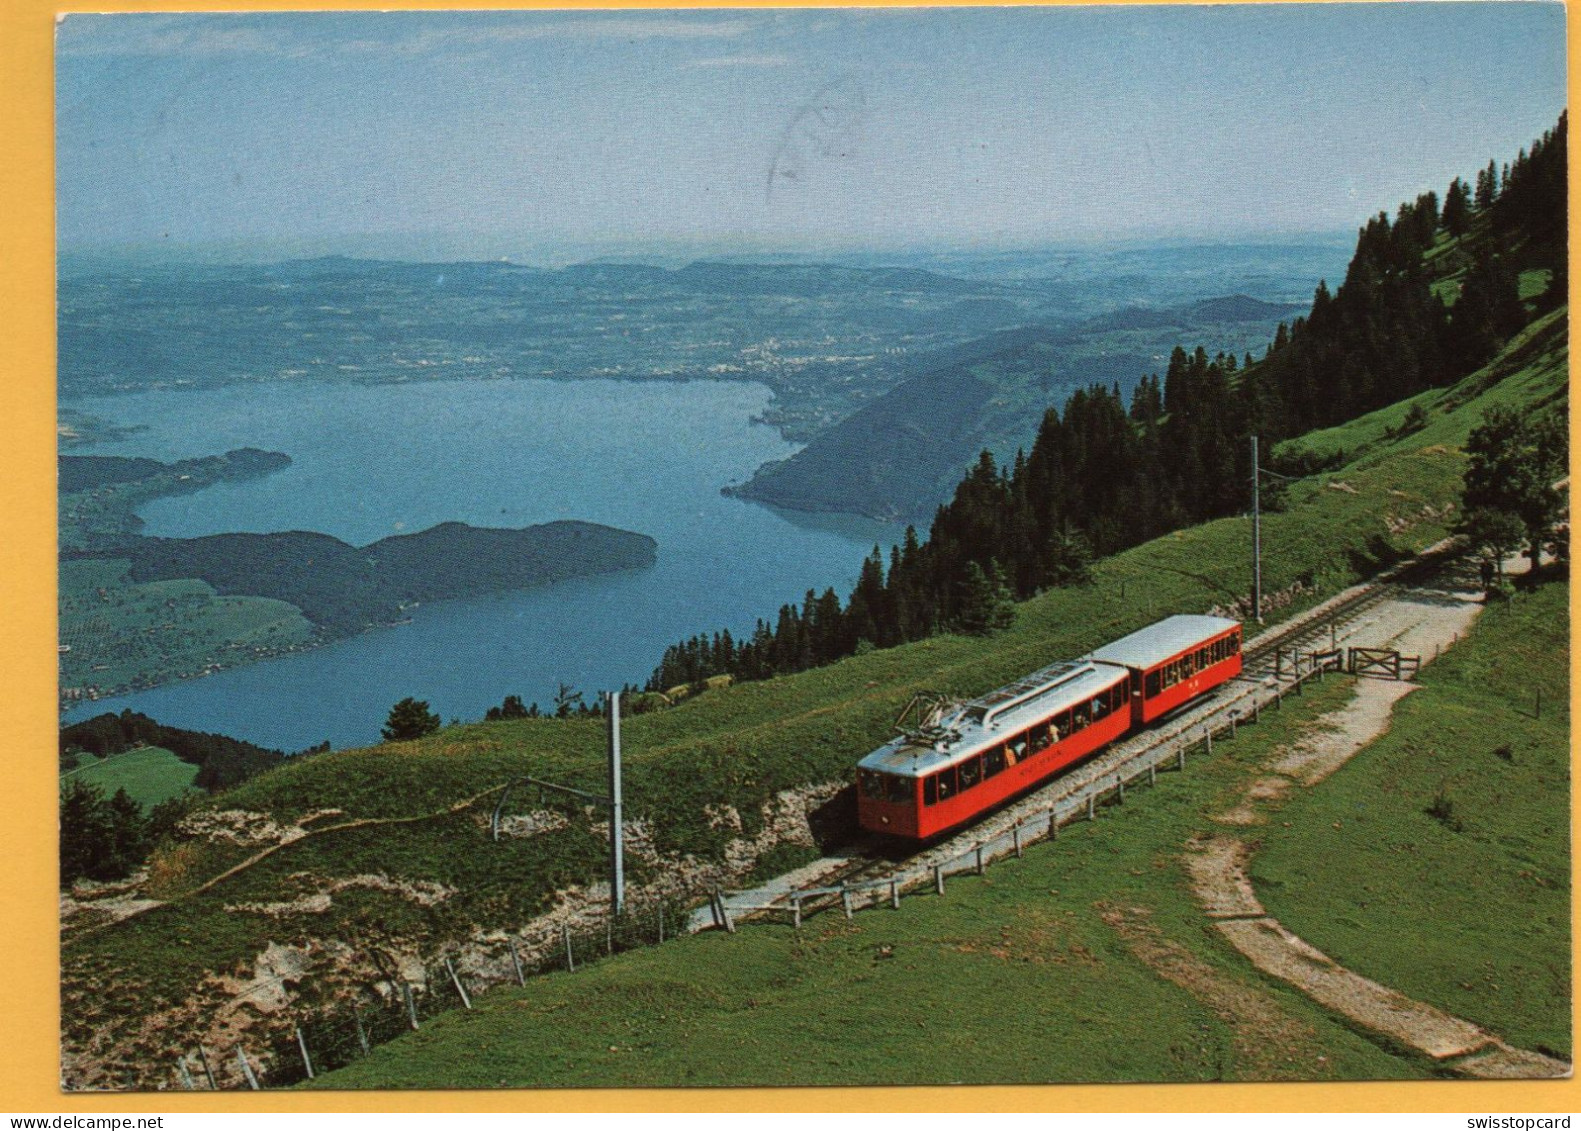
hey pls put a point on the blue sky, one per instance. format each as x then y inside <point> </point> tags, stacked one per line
<point>786,129</point>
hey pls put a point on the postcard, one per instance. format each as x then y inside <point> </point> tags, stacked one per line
<point>788,547</point>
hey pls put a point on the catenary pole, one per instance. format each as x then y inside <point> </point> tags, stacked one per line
<point>1257,540</point>
<point>617,864</point>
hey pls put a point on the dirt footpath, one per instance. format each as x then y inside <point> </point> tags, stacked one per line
<point>1423,622</point>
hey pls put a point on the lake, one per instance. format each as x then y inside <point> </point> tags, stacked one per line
<point>375,460</point>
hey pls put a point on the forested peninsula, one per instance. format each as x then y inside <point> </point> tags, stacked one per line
<point>344,589</point>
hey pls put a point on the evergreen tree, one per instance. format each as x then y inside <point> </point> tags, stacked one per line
<point>985,603</point>
<point>100,839</point>
<point>1457,208</point>
<point>409,719</point>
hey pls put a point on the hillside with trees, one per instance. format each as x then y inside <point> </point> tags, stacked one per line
<point>1430,296</point>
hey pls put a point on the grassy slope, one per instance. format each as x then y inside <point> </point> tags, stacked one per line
<point>1474,914</point>
<point>737,747</point>
<point>149,774</point>
<point>1522,375</point>
<point>1013,977</point>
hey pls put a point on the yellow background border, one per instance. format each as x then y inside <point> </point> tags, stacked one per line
<point>29,975</point>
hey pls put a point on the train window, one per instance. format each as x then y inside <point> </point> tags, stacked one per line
<point>1062,724</point>
<point>994,762</point>
<point>1100,706</point>
<point>899,790</point>
<point>946,780</point>
<point>930,790</point>
<point>1078,714</point>
<point>872,785</point>
<point>1202,659</point>
<point>1041,737</point>
<point>971,772</point>
<point>1122,694</point>
<point>1016,748</point>
<point>1154,684</point>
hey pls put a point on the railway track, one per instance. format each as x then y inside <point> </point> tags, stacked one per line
<point>1276,662</point>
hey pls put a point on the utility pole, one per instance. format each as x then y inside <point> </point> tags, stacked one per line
<point>617,863</point>
<point>1257,540</point>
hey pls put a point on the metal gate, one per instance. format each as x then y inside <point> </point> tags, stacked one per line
<point>1383,663</point>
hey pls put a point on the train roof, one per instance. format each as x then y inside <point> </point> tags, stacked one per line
<point>979,724</point>
<point>1156,643</point>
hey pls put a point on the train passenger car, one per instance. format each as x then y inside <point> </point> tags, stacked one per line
<point>990,749</point>
<point>1174,661</point>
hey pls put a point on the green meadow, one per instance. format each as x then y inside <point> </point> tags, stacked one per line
<point>149,774</point>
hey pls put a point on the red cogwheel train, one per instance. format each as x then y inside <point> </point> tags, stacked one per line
<point>970,757</point>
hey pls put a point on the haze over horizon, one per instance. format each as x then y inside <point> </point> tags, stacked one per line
<point>530,134</point>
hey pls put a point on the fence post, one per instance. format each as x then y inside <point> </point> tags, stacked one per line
<point>1256,709</point>
<point>979,858</point>
<point>894,892</point>
<point>570,957</point>
<point>456,980</point>
<point>845,900</point>
<point>1152,773</point>
<point>516,962</point>
<point>186,1077</point>
<point>362,1034</point>
<point>661,921</point>
<point>247,1069</point>
<point>938,878</point>
<point>730,924</point>
<point>1235,717</point>
<point>208,1069</point>
<point>1180,759</point>
<point>1207,737</point>
<point>796,911</point>
<point>1053,823</point>
<point>1092,809</point>
<point>1119,788</point>
<point>307,1061</point>
<point>718,905</point>
<point>1015,838</point>
<point>411,1003</point>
